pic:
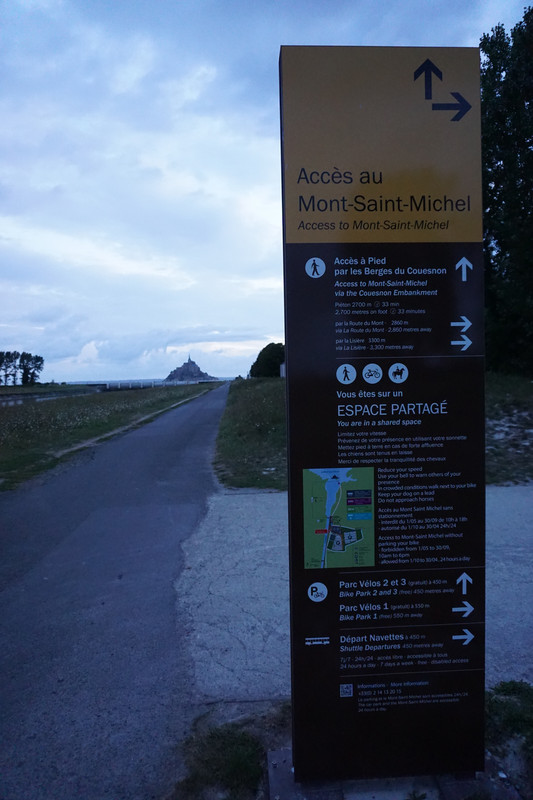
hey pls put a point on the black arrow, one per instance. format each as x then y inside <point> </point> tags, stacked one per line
<point>462,106</point>
<point>426,69</point>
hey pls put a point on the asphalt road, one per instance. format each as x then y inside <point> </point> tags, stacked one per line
<point>95,673</point>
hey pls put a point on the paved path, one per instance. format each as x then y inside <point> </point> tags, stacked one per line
<point>95,671</point>
<point>509,583</point>
<point>234,597</point>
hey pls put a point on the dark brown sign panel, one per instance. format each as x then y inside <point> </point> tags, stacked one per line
<point>384,344</point>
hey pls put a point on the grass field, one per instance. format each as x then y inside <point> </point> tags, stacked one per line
<point>34,435</point>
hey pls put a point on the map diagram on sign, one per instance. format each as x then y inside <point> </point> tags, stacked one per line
<point>338,517</point>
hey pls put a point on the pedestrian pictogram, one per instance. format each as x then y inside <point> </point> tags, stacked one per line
<point>315,267</point>
<point>346,373</point>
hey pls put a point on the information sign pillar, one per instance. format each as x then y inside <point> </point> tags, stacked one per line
<point>385,373</point>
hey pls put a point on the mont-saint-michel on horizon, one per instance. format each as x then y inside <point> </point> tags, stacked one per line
<point>188,372</point>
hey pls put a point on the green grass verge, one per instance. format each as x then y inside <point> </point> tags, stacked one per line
<point>251,446</point>
<point>510,713</point>
<point>34,434</point>
<point>509,429</point>
<point>228,758</point>
<point>509,728</point>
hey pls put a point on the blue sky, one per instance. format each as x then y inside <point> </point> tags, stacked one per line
<point>140,204</point>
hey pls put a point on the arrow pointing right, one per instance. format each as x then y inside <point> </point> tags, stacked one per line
<point>466,636</point>
<point>462,106</point>
<point>464,325</point>
<point>466,608</point>
<point>427,69</point>
<point>464,342</point>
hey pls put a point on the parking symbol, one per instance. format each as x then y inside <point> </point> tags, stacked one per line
<point>317,592</point>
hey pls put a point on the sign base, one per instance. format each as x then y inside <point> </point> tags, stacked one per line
<point>283,786</point>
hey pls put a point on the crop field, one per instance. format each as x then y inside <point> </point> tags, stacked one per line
<point>35,435</point>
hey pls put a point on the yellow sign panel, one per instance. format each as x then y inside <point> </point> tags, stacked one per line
<point>381,144</point>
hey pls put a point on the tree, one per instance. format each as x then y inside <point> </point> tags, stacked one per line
<point>24,367</point>
<point>268,361</point>
<point>10,366</point>
<point>507,128</point>
<point>36,367</point>
<point>13,364</point>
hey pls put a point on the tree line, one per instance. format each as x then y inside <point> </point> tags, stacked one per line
<point>16,367</point>
<point>507,140</point>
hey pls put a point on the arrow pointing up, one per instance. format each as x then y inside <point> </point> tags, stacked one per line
<point>427,69</point>
<point>462,106</point>
<point>464,579</point>
<point>464,265</point>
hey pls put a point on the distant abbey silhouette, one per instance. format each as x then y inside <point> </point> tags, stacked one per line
<point>189,371</point>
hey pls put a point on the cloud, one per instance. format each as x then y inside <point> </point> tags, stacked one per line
<point>188,88</point>
<point>99,256</point>
<point>46,5</point>
<point>251,286</point>
<point>133,67</point>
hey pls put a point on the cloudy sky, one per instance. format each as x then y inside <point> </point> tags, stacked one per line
<point>140,208</point>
